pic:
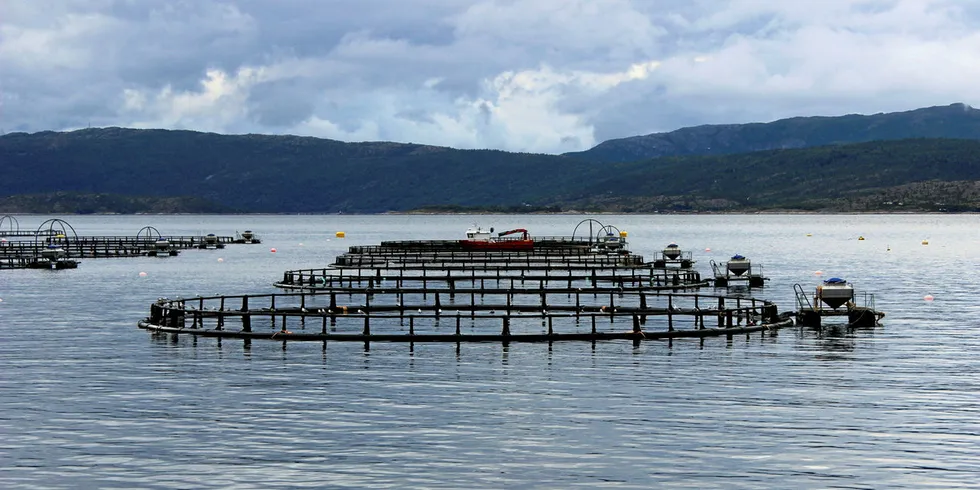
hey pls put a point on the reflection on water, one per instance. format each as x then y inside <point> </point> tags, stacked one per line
<point>90,401</point>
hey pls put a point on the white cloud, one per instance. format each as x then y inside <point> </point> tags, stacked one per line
<point>535,75</point>
<point>515,110</point>
<point>218,104</point>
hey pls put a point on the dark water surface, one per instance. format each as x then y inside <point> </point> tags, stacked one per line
<point>87,400</point>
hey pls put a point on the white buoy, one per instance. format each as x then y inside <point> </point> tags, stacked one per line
<point>142,274</point>
<point>220,259</point>
<point>300,244</point>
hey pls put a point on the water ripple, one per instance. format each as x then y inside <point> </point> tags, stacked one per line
<point>89,401</point>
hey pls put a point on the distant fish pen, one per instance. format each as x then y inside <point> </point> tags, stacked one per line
<point>56,245</point>
<point>587,288</point>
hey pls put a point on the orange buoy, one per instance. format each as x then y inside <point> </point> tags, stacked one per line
<point>272,250</point>
<point>928,297</point>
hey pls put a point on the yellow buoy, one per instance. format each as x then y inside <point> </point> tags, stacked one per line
<point>340,234</point>
<point>622,234</point>
<point>809,234</point>
<point>861,237</point>
<point>925,242</point>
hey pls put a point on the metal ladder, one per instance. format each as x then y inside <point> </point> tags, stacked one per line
<point>802,300</point>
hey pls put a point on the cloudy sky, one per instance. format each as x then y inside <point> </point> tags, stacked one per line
<point>530,75</point>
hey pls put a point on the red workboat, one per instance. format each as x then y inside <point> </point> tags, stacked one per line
<point>480,239</point>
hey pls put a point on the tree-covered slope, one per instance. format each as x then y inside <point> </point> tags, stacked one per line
<point>794,178</point>
<point>953,121</point>
<point>253,173</point>
<point>257,173</point>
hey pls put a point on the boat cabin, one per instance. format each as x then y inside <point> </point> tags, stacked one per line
<point>478,234</point>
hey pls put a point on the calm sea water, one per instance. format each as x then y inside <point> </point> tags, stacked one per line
<point>89,401</point>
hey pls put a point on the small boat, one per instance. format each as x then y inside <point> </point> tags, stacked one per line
<point>739,265</point>
<point>834,292</point>
<point>480,239</point>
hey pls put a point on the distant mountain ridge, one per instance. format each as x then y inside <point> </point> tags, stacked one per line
<point>953,121</point>
<point>265,173</point>
<point>129,170</point>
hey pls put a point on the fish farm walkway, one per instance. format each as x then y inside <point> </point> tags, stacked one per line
<point>436,291</point>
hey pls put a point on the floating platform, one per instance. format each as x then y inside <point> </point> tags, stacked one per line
<point>246,237</point>
<point>672,257</point>
<point>738,271</point>
<point>833,300</point>
<point>856,316</point>
<point>52,264</point>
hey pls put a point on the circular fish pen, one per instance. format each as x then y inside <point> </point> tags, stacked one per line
<point>437,291</point>
<point>9,226</point>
